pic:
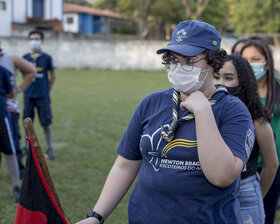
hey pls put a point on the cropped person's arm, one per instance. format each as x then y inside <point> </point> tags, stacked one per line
<point>28,72</point>
<point>11,94</point>
<point>265,138</point>
<point>52,79</point>
<point>219,165</point>
<point>118,182</point>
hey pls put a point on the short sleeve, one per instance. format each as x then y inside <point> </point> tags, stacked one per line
<point>237,130</point>
<point>50,64</point>
<point>129,144</point>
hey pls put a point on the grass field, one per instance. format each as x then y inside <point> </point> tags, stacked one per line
<point>91,110</point>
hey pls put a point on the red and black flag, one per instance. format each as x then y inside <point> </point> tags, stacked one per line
<point>38,203</point>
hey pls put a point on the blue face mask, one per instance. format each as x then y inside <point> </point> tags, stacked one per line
<point>258,69</point>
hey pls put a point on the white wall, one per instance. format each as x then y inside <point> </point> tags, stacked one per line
<point>5,20</point>
<point>74,27</point>
<point>98,54</point>
<point>53,9</point>
<point>57,7</point>
<point>19,8</point>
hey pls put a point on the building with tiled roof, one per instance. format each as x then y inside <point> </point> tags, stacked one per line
<point>18,17</point>
<point>89,21</point>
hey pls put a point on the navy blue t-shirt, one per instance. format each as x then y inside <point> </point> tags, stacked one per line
<point>40,86</point>
<point>171,186</point>
<point>5,87</point>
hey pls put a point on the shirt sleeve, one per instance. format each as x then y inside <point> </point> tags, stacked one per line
<point>50,65</point>
<point>237,130</point>
<point>129,144</point>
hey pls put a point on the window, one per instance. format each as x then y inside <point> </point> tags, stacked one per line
<point>2,5</point>
<point>70,20</point>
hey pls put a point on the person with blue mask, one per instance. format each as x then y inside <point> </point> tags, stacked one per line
<point>258,53</point>
<point>239,79</point>
<point>188,144</point>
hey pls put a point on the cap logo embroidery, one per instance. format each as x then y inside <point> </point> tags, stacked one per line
<point>215,42</point>
<point>180,35</point>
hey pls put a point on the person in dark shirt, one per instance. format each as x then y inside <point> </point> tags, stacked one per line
<point>37,95</point>
<point>7,141</point>
<point>14,63</point>
<point>238,77</point>
<point>187,144</point>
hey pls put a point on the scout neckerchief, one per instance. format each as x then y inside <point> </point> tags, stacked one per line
<point>34,56</point>
<point>168,132</point>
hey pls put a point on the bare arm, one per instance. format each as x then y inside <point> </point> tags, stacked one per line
<point>52,79</point>
<point>218,163</point>
<point>265,138</point>
<point>118,182</point>
<point>27,69</point>
<point>11,94</point>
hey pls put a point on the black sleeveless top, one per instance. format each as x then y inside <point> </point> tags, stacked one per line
<point>252,162</point>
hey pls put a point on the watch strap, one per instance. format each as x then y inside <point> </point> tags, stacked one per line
<point>96,215</point>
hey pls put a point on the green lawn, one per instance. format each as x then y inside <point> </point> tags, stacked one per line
<point>91,110</point>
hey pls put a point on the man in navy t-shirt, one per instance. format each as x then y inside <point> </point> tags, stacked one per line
<point>7,143</point>
<point>37,95</point>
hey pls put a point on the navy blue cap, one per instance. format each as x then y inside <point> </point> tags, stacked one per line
<point>192,37</point>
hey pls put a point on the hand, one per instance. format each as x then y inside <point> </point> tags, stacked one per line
<point>90,220</point>
<point>18,89</point>
<point>195,102</point>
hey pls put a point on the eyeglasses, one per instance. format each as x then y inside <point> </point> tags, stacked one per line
<point>186,63</point>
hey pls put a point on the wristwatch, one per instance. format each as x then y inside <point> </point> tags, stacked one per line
<point>95,215</point>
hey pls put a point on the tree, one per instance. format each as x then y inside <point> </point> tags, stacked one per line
<point>194,8</point>
<point>158,17</point>
<point>216,14</point>
<point>165,13</point>
<point>138,9</point>
<point>256,16</point>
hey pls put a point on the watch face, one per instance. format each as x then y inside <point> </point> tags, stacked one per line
<point>90,214</point>
<point>95,215</point>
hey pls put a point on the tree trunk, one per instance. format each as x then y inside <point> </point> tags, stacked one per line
<point>275,39</point>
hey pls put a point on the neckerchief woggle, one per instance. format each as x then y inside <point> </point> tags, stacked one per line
<point>167,133</point>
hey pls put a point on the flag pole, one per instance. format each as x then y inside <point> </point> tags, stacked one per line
<point>30,132</point>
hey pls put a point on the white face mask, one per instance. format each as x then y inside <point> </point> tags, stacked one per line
<point>35,45</point>
<point>186,82</point>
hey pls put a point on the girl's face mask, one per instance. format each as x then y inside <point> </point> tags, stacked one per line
<point>186,82</point>
<point>259,70</point>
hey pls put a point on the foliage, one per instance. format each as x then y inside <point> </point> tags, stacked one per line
<point>157,16</point>
<point>240,16</point>
<point>124,28</point>
<point>259,16</point>
<point>216,17</point>
<point>194,8</point>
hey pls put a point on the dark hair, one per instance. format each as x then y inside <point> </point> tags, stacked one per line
<point>36,32</point>
<point>215,59</point>
<point>248,88</point>
<point>273,87</point>
<point>236,43</point>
